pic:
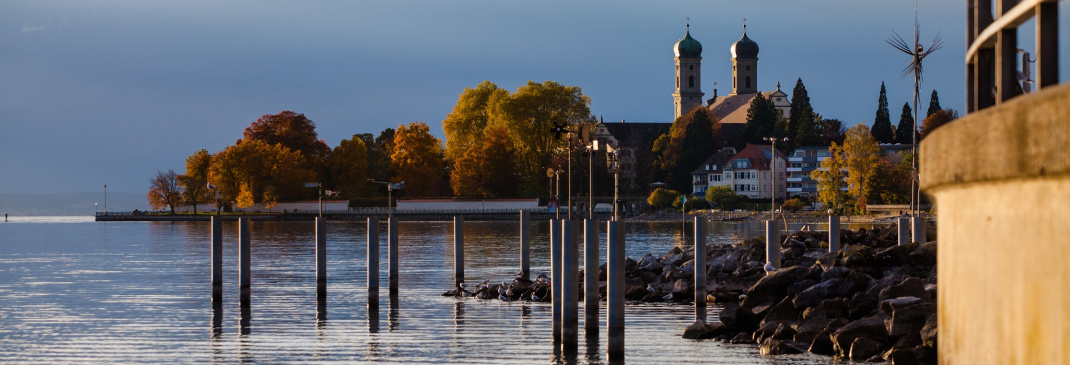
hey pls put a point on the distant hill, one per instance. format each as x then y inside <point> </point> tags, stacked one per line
<point>69,203</point>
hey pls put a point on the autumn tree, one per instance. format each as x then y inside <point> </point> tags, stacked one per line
<point>489,169</point>
<point>254,171</point>
<point>465,125</point>
<point>722,195</point>
<point>904,133</point>
<point>418,160</point>
<point>861,154</point>
<point>692,139</point>
<point>937,119</point>
<point>164,191</point>
<point>762,117</point>
<point>347,167</point>
<point>663,198</point>
<point>882,124</point>
<point>292,130</point>
<point>831,179</point>
<point>891,180</point>
<point>194,182</point>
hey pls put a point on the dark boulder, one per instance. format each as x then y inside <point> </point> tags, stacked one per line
<point>798,287</point>
<point>773,287</point>
<point>782,312</point>
<point>742,337</point>
<point>772,346</point>
<point>863,303</point>
<point>822,343</point>
<point>703,331</point>
<point>928,331</point>
<point>909,287</point>
<point>863,348</point>
<point>737,319</point>
<point>815,319</point>
<point>890,305</point>
<point>817,292</point>
<point>855,281</point>
<point>871,328</point>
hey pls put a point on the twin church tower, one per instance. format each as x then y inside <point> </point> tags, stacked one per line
<point>688,58</point>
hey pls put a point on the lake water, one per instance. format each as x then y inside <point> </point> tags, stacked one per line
<point>77,291</point>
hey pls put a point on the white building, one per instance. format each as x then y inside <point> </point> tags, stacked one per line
<point>749,173</point>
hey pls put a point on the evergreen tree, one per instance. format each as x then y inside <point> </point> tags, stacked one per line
<point>934,105</point>
<point>691,140</point>
<point>802,123</point>
<point>762,118</point>
<point>882,124</point>
<point>905,130</point>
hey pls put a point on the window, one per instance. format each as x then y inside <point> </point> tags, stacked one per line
<point>748,82</point>
<point>690,81</point>
<point>677,82</point>
<point>691,67</point>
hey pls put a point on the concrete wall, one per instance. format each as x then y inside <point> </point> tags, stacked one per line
<point>433,204</point>
<point>1000,178</point>
<point>310,205</point>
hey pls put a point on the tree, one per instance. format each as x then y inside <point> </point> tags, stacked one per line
<point>663,198</point>
<point>465,126</point>
<point>293,130</point>
<point>194,182</point>
<point>488,170</point>
<point>830,178</point>
<point>937,119</point>
<point>891,180</point>
<point>934,104</point>
<point>164,191</point>
<point>904,133</point>
<point>379,165</point>
<point>418,160</point>
<point>722,195</point>
<point>762,117</point>
<point>832,131</point>
<point>882,124</point>
<point>259,172</point>
<point>803,127</point>
<point>861,154</point>
<point>692,139</point>
<point>347,167</point>
<point>530,114</point>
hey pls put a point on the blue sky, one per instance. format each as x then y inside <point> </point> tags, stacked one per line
<point>109,92</point>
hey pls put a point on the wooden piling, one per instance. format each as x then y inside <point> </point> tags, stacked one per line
<point>570,287</point>
<point>615,290</point>
<point>525,240</point>
<point>321,257</point>
<point>834,233</point>
<point>392,240</point>
<point>373,257</point>
<point>244,258</point>
<point>700,269</point>
<point>555,278</point>
<point>458,251</point>
<point>590,273</point>
<point>217,258</point>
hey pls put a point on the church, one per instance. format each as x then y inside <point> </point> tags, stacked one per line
<point>731,109</point>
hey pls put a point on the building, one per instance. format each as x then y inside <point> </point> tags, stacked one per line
<point>749,173</point>
<point>732,108</point>
<point>634,142</point>
<point>800,164</point>
<point>688,58</point>
<point>710,171</point>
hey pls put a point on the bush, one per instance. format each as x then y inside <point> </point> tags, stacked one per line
<point>693,202</point>
<point>793,205</point>
<point>663,198</point>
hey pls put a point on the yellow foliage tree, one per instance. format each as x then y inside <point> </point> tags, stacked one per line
<point>252,167</point>
<point>465,125</point>
<point>488,170</point>
<point>418,160</point>
<point>862,155</point>
<point>830,178</point>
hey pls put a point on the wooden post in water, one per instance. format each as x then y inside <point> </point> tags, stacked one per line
<point>570,312</point>
<point>904,230</point>
<point>834,233</point>
<point>392,240</point>
<point>590,274</point>
<point>615,290</point>
<point>555,278</point>
<point>217,258</point>
<point>321,257</point>
<point>373,263</point>
<point>244,258</point>
<point>458,251</point>
<point>525,240</point>
<point>772,245</point>
<point>700,269</point>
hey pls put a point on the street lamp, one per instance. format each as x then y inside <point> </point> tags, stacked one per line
<point>772,164</point>
<point>218,199</point>
<point>613,162</point>
<point>319,193</point>
<point>95,209</point>
<point>390,187</point>
<point>591,150</point>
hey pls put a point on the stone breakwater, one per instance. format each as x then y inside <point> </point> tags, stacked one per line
<point>870,301</point>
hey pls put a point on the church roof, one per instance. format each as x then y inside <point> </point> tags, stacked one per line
<point>687,46</point>
<point>745,47</point>
<point>733,108</point>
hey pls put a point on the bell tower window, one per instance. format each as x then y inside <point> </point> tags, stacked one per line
<point>690,81</point>
<point>748,82</point>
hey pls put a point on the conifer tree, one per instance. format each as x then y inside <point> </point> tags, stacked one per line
<point>882,124</point>
<point>762,117</point>
<point>934,104</point>
<point>802,126</point>
<point>905,130</point>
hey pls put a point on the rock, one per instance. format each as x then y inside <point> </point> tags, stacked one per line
<point>863,303</point>
<point>687,268</point>
<point>931,289</point>
<point>863,348</point>
<point>773,287</point>
<point>894,255</point>
<point>856,256</point>
<point>674,257</point>
<point>684,286</point>
<point>703,331</point>
<point>772,346</point>
<point>817,318</point>
<point>834,272</point>
<point>928,331</point>
<point>636,293</point>
<point>853,282</point>
<point>817,292</point>
<point>650,263</point>
<point>909,287</point>
<point>828,308</point>
<point>871,328</point>
<point>782,312</point>
<point>798,287</point>
<point>742,337</point>
<point>822,344</point>
<point>889,305</point>
<point>737,319</point>
<point>923,257</point>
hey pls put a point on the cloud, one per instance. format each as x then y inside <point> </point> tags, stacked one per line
<point>26,28</point>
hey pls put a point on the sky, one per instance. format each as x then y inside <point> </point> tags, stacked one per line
<point>110,92</point>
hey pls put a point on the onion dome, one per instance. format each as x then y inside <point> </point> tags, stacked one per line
<point>688,47</point>
<point>745,47</point>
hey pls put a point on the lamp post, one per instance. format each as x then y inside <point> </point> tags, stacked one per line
<point>613,162</point>
<point>95,209</point>
<point>591,150</point>
<point>772,164</point>
<point>105,199</point>
<point>218,202</point>
<point>319,194</point>
<point>390,187</point>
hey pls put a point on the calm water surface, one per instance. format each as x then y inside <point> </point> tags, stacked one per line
<point>76,291</point>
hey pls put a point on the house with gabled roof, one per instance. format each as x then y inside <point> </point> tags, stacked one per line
<point>749,173</point>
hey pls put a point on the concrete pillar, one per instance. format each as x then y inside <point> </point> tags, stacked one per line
<point>525,240</point>
<point>392,240</point>
<point>904,232</point>
<point>570,287</point>
<point>217,257</point>
<point>917,224</point>
<point>772,245</point>
<point>321,257</point>
<point>590,281</point>
<point>555,278</point>
<point>244,258</point>
<point>700,269</point>
<point>834,233</point>
<point>458,251</point>
<point>615,290</point>
<point>1047,43</point>
<point>373,258</point>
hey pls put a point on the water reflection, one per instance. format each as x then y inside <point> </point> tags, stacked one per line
<point>321,310</point>
<point>217,317</point>
<point>591,357</point>
<point>246,315</point>
<point>458,316</point>
<point>392,317</point>
<point>373,311</point>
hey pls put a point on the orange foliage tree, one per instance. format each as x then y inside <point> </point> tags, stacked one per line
<point>488,170</point>
<point>258,172</point>
<point>418,160</point>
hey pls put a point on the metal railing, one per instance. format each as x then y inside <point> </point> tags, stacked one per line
<point>992,47</point>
